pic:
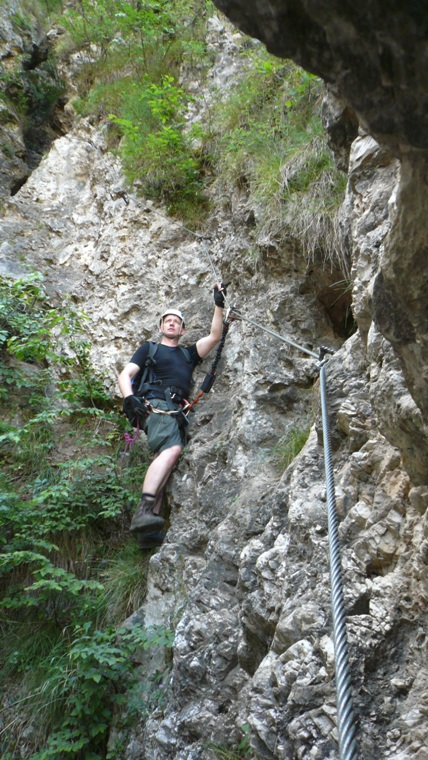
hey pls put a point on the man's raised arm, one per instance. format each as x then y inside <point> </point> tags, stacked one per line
<point>206,344</point>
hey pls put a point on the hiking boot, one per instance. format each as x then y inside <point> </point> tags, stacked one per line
<point>144,518</point>
<point>150,539</point>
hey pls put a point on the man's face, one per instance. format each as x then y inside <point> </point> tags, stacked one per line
<point>172,326</point>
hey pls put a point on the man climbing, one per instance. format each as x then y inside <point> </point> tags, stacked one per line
<point>167,389</point>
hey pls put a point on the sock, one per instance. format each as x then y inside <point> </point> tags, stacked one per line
<point>146,495</point>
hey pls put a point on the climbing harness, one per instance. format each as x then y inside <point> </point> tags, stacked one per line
<point>145,381</point>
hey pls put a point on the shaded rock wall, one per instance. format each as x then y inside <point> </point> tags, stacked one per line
<point>243,576</point>
<point>31,103</point>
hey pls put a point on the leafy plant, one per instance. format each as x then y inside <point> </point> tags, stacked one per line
<point>100,668</point>
<point>40,10</point>
<point>81,680</point>
<point>65,551</point>
<point>137,51</point>
<point>30,92</point>
<point>156,150</point>
<point>43,87</point>
<point>25,319</point>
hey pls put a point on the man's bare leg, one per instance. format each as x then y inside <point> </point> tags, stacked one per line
<point>160,470</point>
<point>145,518</point>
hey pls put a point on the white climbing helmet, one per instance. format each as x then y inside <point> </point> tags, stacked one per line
<point>175,313</point>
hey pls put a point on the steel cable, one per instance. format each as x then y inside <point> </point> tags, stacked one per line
<point>236,314</point>
<point>345,715</point>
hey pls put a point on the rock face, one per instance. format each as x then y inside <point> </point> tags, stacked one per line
<point>243,576</point>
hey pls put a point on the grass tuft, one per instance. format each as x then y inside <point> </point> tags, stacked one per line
<point>289,446</point>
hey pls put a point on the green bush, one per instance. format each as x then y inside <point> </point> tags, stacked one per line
<point>31,94</point>
<point>155,150</point>
<point>69,574</point>
<point>26,319</point>
<point>265,134</point>
<point>44,87</point>
<point>100,668</point>
<point>137,51</point>
<point>77,681</point>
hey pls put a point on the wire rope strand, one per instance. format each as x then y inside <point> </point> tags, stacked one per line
<point>346,722</point>
<point>290,342</point>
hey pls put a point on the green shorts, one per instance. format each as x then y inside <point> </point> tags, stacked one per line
<point>162,430</point>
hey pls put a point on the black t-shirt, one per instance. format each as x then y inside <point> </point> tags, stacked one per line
<point>172,367</point>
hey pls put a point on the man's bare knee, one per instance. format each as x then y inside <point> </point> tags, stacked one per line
<point>173,454</point>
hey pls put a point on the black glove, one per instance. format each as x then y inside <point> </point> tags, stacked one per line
<point>134,409</point>
<point>219,295</point>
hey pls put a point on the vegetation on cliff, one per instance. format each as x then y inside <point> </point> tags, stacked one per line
<point>142,66</point>
<point>69,574</point>
<point>144,69</point>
